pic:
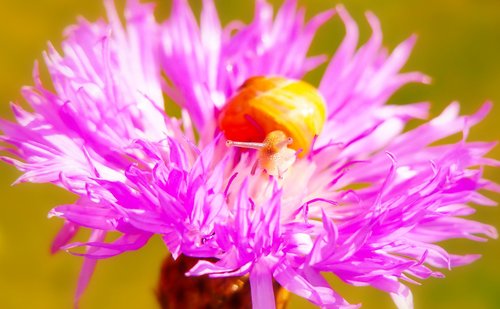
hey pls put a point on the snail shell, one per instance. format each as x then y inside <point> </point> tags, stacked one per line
<point>266,104</point>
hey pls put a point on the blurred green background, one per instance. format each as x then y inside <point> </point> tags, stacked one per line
<point>459,46</point>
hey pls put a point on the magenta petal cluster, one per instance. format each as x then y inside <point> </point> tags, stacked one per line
<point>369,203</point>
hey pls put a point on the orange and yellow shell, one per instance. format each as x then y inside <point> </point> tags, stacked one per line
<point>266,104</point>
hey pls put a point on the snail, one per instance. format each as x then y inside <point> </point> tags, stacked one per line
<point>277,116</point>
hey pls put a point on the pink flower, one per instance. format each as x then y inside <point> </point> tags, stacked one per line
<point>368,203</point>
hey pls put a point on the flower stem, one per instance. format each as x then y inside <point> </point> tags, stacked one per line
<point>176,291</point>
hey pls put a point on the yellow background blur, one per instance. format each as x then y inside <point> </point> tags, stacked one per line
<point>459,46</point>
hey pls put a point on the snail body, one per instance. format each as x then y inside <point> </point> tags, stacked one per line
<point>274,155</point>
<point>265,104</point>
<point>277,116</point>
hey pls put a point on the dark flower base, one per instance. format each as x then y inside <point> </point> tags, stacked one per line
<point>176,291</point>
